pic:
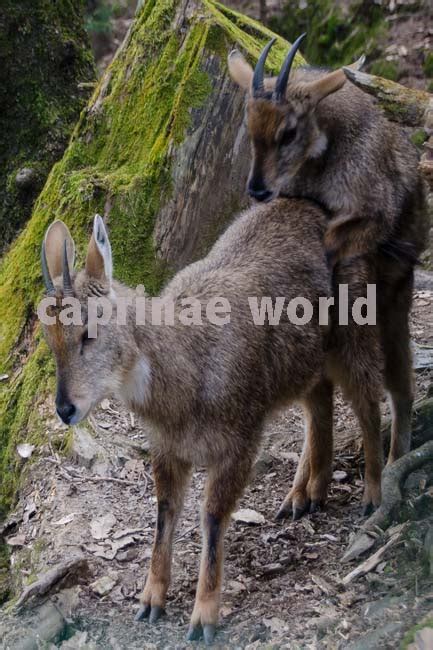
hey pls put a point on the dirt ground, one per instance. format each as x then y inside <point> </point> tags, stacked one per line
<point>283,580</point>
<point>283,584</point>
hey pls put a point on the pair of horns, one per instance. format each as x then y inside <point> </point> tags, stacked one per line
<point>283,77</point>
<point>67,282</point>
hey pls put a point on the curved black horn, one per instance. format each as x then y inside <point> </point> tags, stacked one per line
<point>283,77</point>
<point>45,271</point>
<point>67,283</point>
<point>259,70</point>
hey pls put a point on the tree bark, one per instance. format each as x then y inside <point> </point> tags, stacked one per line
<point>45,58</point>
<point>161,150</point>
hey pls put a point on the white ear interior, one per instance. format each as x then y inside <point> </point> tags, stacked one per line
<point>100,236</point>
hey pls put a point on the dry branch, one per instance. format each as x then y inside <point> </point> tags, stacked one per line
<point>393,478</point>
<point>404,105</point>
<point>49,579</point>
<point>370,563</point>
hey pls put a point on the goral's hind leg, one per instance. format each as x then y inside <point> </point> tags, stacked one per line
<point>398,364</point>
<point>314,471</point>
<point>171,478</point>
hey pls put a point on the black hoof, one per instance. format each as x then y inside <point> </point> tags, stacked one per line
<point>284,513</point>
<point>155,613</point>
<point>209,631</point>
<point>300,512</point>
<point>315,506</point>
<point>142,613</point>
<point>194,633</point>
<point>368,509</point>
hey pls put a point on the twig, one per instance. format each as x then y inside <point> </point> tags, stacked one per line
<point>185,533</point>
<point>51,578</point>
<point>393,478</point>
<point>371,562</point>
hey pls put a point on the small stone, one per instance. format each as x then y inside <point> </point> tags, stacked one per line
<point>26,178</point>
<point>248,516</point>
<point>85,449</point>
<point>25,450</point>
<point>102,586</point>
<point>128,555</point>
<point>339,475</point>
<point>236,587</point>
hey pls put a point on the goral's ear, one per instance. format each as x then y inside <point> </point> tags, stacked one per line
<point>240,71</point>
<point>330,83</point>
<point>99,262</point>
<point>54,246</point>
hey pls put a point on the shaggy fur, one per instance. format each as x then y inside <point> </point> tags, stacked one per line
<point>329,142</point>
<point>206,390</point>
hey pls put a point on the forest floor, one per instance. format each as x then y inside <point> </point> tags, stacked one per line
<point>283,584</point>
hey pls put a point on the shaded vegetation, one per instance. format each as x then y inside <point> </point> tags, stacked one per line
<point>45,55</point>
<point>336,35</point>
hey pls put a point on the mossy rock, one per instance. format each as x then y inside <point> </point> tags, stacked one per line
<point>161,133</point>
<point>45,56</point>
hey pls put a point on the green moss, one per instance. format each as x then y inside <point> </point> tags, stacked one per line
<point>45,55</point>
<point>4,573</point>
<point>419,137</point>
<point>409,637</point>
<point>428,64</point>
<point>119,156</point>
<point>385,69</point>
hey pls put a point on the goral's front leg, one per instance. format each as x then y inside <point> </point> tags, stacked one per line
<point>224,486</point>
<point>171,479</point>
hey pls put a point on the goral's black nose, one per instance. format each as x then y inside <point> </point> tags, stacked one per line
<point>259,195</point>
<point>66,412</point>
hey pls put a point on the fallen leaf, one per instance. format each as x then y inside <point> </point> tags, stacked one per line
<point>275,624</point>
<point>64,520</point>
<point>122,543</point>
<point>101,527</point>
<point>105,404</point>
<point>248,516</point>
<point>289,455</point>
<point>18,540</point>
<point>127,531</point>
<point>331,538</point>
<point>25,450</point>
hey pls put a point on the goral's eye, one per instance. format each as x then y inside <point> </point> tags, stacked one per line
<point>287,137</point>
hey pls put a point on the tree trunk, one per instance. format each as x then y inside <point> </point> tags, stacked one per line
<point>45,56</point>
<point>162,151</point>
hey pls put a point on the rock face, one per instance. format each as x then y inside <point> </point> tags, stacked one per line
<point>45,56</point>
<point>161,151</point>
